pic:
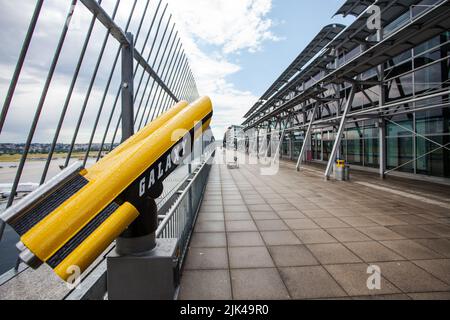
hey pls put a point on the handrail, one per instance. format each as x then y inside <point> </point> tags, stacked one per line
<point>182,195</point>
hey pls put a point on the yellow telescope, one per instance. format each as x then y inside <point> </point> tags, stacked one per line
<point>69,221</point>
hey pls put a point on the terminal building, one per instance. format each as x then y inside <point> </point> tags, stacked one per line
<point>375,93</point>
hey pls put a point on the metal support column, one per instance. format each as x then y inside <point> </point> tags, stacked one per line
<point>307,136</point>
<point>337,143</point>
<point>278,152</point>
<point>382,150</point>
<point>291,146</point>
<point>128,89</point>
<point>140,236</point>
<point>382,122</point>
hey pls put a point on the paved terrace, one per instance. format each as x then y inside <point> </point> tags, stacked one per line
<point>295,236</point>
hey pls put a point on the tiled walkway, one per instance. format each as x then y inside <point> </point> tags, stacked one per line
<point>295,236</point>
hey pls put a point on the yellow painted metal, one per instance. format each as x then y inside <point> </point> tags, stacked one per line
<point>340,163</point>
<point>145,132</point>
<point>89,250</point>
<point>111,176</point>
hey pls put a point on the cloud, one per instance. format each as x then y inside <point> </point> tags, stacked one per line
<point>233,25</point>
<point>213,33</point>
<point>226,29</point>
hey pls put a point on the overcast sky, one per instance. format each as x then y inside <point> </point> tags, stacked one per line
<point>236,48</point>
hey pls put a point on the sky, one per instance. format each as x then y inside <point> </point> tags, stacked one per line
<point>236,48</point>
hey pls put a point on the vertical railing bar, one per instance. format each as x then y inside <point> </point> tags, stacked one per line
<point>89,91</point>
<point>154,81</point>
<point>20,63</point>
<point>184,82</point>
<point>108,84</point>
<point>148,59</point>
<point>159,64</point>
<point>179,73</point>
<point>191,86</point>
<point>143,73</point>
<point>151,51</point>
<point>167,66</point>
<point>68,98</point>
<point>41,104</point>
<point>175,69</point>
<point>196,95</point>
<point>184,87</point>
<point>179,83</point>
<point>159,92</point>
<point>164,71</point>
<point>113,111</point>
<point>188,86</point>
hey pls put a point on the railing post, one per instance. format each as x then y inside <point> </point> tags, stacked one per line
<point>340,133</point>
<point>140,236</point>
<point>128,89</point>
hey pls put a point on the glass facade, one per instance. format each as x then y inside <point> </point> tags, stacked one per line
<point>417,142</point>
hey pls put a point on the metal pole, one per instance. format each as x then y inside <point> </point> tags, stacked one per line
<point>90,88</point>
<point>168,76</point>
<point>127,89</point>
<point>40,106</point>
<point>20,62</point>
<point>382,148</point>
<point>68,99</point>
<point>337,143</point>
<point>382,122</point>
<point>167,67</point>
<point>306,140</point>
<point>108,84</point>
<point>120,87</point>
<point>140,236</point>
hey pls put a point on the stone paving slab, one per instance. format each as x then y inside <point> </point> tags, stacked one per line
<point>295,236</point>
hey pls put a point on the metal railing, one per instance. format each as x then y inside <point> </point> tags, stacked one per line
<point>162,75</point>
<point>179,222</point>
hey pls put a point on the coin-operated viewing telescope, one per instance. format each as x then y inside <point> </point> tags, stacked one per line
<point>73,218</point>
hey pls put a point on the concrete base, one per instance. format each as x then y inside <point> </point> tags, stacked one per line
<point>148,277</point>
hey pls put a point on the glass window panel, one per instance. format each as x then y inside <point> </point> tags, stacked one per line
<point>433,162</point>
<point>405,123</point>
<point>371,153</point>
<point>354,151</point>
<point>428,78</point>
<point>432,122</point>
<point>401,87</point>
<point>400,152</point>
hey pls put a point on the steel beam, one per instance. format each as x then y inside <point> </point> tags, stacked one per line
<point>127,89</point>
<point>337,143</point>
<point>307,136</point>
